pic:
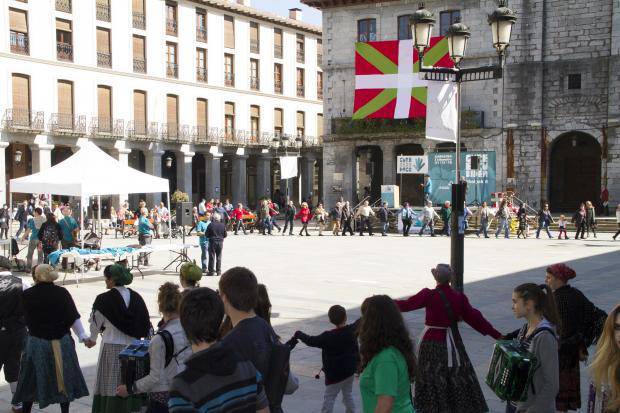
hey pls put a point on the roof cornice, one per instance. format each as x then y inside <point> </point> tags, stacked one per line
<point>326,4</point>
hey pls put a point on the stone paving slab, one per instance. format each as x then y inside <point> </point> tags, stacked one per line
<point>306,275</point>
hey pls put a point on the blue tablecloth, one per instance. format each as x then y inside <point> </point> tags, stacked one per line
<point>54,257</point>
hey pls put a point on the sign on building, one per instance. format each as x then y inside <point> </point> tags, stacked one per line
<point>411,164</point>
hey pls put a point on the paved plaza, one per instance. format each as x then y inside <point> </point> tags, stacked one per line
<point>306,275</point>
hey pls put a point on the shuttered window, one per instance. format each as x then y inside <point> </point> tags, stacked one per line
<point>229,108</point>
<point>18,20</point>
<point>172,109</point>
<point>255,120</point>
<point>319,124</point>
<point>65,97</point>
<point>301,123</point>
<point>229,118</point>
<point>201,58</point>
<point>229,32</point>
<point>254,38</point>
<point>138,47</point>
<point>138,6</point>
<point>201,113</point>
<point>21,92</point>
<point>104,107</point>
<point>255,111</point>
<point>139,111</point>
<point>103,40</point>
<point>171,53</point>
<point>277,43</point>
<point>63,25</point>
<point>277,118</point>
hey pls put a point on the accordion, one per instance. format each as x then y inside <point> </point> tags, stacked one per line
<point>135,362</point>
<point>511,370</point>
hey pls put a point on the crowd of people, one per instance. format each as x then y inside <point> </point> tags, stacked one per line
<point>217,351</point>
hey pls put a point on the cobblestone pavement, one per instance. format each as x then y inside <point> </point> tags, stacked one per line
<point>305,276</point>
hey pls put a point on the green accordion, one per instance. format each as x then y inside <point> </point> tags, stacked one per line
<point>511,370</point>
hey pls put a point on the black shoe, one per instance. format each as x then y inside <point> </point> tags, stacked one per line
<point>210,274</point>
<point>307,235</point>
<point>219,273</point>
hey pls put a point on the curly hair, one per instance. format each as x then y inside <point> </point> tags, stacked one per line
<point>169,298</point>
<point>382,326</point>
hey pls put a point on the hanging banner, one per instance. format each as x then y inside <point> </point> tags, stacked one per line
<point>412,164</point>
<point>441,111</point>
<point>478,169</point>
<point>288,167</point>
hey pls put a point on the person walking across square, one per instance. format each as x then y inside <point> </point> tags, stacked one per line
<point>216,232</point>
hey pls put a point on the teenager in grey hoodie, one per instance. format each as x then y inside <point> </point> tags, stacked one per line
<point>536,304</point>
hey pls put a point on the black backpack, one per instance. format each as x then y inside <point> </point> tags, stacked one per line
<point>169,346</point>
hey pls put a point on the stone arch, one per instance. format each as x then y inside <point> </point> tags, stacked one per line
<point>410,184</point>
<point>574,170</point>
<point>368,172</point>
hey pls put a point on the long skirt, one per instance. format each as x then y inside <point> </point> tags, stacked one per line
<point>443,389</point>
<point>49,372</point>
<point>569,395</point>
<point>108,379</point>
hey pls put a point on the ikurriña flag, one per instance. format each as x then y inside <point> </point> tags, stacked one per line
<point>387,78</point>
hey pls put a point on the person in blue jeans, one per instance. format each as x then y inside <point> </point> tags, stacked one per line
<point>544,220</point>
<point>201,230</point>
<point>502,215</point>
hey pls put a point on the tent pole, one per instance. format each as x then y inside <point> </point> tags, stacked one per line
<point>99,215</point>
<point>10,212</point>
<point>169,217</point>
<point>81,220</point>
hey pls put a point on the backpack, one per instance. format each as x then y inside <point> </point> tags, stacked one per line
<point>169,346</point>
<point>49,236</point>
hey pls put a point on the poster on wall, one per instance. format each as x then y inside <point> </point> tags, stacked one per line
<point>412,164</point>
<point>477,167</point>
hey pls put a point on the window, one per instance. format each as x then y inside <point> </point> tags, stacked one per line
<point>103,10</point>
<point>229,70</point>
<point>104,56</point>
<point>229,32</point>
<point>172,69</point>
<point>63,6</point>
<point>301,124</point>
<point>254,122</point>
<point>104,109</point>
<point>277,78</point>
<point>229,119</point>
<point>139,59</point>
<point>574,81</point>
<point>18,21</point>
<point>139,112</point>
<point>138,18</point>
<point>319,124</point>
<point>319,52</point>
<point>201,65</point>
<point>201,25</point>
<point>301,54</point>
<point>64,43</point>
<point>254,38</point>
<point>277,43</point>
<point>278,117</point>
<point>446,19</point>
<point>367,30</point>
<point>21,100</point>
<point>171,19</point>
<point>172,115</point>
<point>65,105</point>
<point>202,117</point>
<point>254,75</point>
<point>319,85</point>
<point>404,27</point>
<point>300,83</point>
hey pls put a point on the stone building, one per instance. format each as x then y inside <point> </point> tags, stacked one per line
<point>551,121</point>
<point>197,91</point>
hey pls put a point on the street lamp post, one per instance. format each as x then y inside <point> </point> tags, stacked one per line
<point>458,34</point>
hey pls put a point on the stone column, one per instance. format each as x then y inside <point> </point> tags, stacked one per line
<point>184,173</point>
<point>263,176</point>
<point>389,164</point>
<point>153,167</point>
<point>239,179</point>
<point>307,177</point>
<point>212,172</point>
<point>41,157</point>
<point>4,195</point>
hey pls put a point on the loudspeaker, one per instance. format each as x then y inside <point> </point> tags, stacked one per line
<point>184,213</point>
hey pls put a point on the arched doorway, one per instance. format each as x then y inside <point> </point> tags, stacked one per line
<point>411,189</point>
<point>574,171</point>
<point>368,172</point>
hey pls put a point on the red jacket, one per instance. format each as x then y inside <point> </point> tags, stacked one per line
<point>304,214</point>
<point>238,214</point>
<point>272,210</point>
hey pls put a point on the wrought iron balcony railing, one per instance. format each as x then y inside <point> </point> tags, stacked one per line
<point>201,74</point>
<point>319,93</point>
<point>301,91</point>
<point>254,46</point>
<point>301,56</point>
<point>277,87</point>
<point>19,43</point>
<point>104,59</point>
<point>67,123</point>
<point>23,120</point>
<point>171,27</point>
<point>119,128</point>
<point>254,83</point>
<point>201,34</point>
<point>172,70</point>
<point>312,141</point>
<point>64,51</point>
<point>100,126</point>
<point>103,12</point>
<point>136,130</point>
<point>229,79</point>
<point>277,52</point>
<point>139,65</point>
<point>138,20</point>
<point>63,5</point>
<point>153,131</point>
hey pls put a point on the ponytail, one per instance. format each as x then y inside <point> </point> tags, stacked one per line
<point>544,302</point>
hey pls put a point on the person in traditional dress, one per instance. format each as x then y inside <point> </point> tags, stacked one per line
<point>604,394</point>
<point>189,276</point>
<point>120,317</point>
<point>578,316</point>
<point>49,372</point>
<point>445,378</point>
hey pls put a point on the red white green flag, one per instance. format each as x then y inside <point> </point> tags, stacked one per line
<point>387,78</point>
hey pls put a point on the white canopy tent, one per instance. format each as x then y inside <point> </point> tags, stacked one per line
<point>89,172</point>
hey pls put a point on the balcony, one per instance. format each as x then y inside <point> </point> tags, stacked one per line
<point>139,65</point>
<point>103,12</point>
<point>254,83</point>
<point>63,5</point>
<point>312,141</point>
<point>301,56</point>
<point>277,52</point>
<point>68,124</point>
<point>101,127</point>
<point>301,91</point>
<point>138,20</point>
<point>19,43</point>
<point>174,132</point>
<point>171,27</point>
<point>277,87</point>
<point>254,46</point>
<point>172,70</point>
<point>64,51</point>
<point>201,34</point>
<point>104,59</point>
<point>201,74</point>
<point>23,120</point>
<point>153,131</point>
<point>200,134</point>
<point>229,79</point>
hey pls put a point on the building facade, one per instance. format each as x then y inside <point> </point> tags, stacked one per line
<point>200,92</point>
<point>550,123</point>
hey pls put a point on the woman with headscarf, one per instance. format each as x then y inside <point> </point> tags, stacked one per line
<point>189,276</point>
<point>49,371</point>
<point>581,324</point>
<point>121,317</point>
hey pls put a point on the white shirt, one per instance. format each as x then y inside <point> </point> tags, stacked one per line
<point>366,211</point>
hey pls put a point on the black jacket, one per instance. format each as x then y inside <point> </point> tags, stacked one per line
<point>216,232</point>
<point>290,212</point>
<point>383,214</point>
